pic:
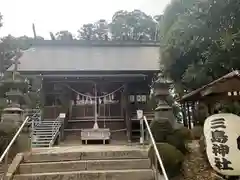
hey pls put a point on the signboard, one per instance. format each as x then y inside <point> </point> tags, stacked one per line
<point>222,134</point>
<point>62,115</point>
<point>139,114</point>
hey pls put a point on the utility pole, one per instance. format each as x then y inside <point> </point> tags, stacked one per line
<point>34,31</point>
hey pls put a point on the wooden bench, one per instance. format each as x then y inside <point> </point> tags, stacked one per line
<point>95,134</point>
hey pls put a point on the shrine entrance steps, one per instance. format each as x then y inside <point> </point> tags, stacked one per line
<point>97,162</point>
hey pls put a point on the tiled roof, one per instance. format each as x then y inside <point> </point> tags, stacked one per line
<point>197,92</point>
<point>89,58</point>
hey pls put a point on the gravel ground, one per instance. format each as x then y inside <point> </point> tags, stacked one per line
<point>195,166</point>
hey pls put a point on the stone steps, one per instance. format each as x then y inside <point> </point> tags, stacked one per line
<point>43,134</point>
<point>83,165</point>
<point>55,156</point>
<point>99,162</point>
<point>130,174</point>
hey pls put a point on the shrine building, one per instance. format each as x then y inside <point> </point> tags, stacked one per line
<point>99,81</point>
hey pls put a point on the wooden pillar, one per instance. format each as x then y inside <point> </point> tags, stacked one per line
<point>42,97</point>
<point>209,109</point>
<point>122,103</point>
<point>189,116</point>
<point>126,114</point>
<point>194,113</point>
<point>184,115</point>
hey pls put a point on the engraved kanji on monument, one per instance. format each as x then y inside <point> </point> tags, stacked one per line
<point>222,134</point>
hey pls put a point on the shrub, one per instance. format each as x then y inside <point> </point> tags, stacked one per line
<point>161,129</point>
<point>178,142</point>
<point>6,135</point>
<point>197,132</point>
<point>172,158</point>
<point>184,133</point>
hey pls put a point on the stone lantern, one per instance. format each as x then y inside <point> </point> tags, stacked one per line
<point>12,117</point>
<point>161,92</point>
<point>14,86</point>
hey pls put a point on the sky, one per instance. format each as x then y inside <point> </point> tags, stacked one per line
<point>55,15</point>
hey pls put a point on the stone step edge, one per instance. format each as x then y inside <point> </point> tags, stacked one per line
<point>85,172</point>
<point>81,161</point>
<point>58,151</point>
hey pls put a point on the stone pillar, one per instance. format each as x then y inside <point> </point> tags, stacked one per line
<point>62,117</point>
<point>24,140</point>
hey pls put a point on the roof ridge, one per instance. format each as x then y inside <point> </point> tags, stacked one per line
<point>100,43</point>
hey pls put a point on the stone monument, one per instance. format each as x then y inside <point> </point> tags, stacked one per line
<point>222,137</point>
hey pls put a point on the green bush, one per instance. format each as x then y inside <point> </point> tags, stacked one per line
<point>172,158</point>
<point>6,135</point>
<point>197,132</point>
<point>184,133</point>
<point>178,142</point>
<point>161,129</point>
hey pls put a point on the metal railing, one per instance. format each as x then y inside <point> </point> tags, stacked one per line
<point>35,118</point>
<point>5,154</point>
<point>55,129</point>
<point>158,158</point>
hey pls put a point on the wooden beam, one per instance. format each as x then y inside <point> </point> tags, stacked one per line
<point>207,91</point>
<point>220,96</point>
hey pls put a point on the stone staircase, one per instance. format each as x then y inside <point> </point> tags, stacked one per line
<point>86,163</point>
<point>42,134</point>
<point>46,132</point>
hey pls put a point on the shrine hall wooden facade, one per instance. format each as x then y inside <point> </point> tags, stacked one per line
<point>107,80</point>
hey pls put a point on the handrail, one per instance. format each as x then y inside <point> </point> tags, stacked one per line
<point>155,148</point>
<point>5,153</point>
<point>55,129</point>
<point>55,126</point>
<point>35,117</point>
<point>35,121</point>
<point>14,139</point>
